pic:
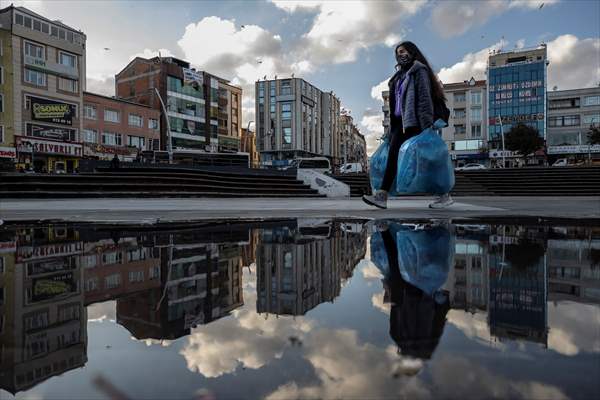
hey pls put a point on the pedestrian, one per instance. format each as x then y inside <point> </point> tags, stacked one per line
<point>415,93</point>
<point>114,163</point>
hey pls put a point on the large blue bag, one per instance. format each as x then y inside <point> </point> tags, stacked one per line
<point>377,164</point>
<point>424,165</point>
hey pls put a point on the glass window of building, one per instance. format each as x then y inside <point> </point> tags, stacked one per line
<point>193,89</point>
<point>460,97</point>
<point>286,110</point>
<point>45,28</point>
<point>111,116</point>
<point>27,23</point>
<point>136,141</point>
<point>564,120</point>
<point>68,59</point>
<point>68,85</point>
<point>467,145</point>
<point>34,50</point>
<point>287,135</point>
<point>475,131</point>
<point>112,139</point>
<point>37,25</point>
<point>476,98</point>
<point>591,101</point>
<point>460,129</point>
<point>34,77</point>
<point>152,123</point>
<point>564,103</point>
<point>591,119</point>
<point>136,120</point>
<point>563,139</point>
<point>54,31</point>
<point>475,114</point>
<point>286,87</point>
<point>90,135</point>
<point>18,19</point>
<point>89,111</point>
<point>186,126</point>
<point>460,113</point>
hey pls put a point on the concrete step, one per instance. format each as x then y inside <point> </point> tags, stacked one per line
<point>100,194</point>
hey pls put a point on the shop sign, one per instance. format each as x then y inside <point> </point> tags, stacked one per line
<point>574,149</point>
<point>190,77</point>
<point>48,66</point>
<point>500,154</point>
<point>8,247</point>
<point>50,287</point>
<point>52,111</point>
<point>24,145</point>
<point>51,132</point>
<point>8,152</point>
<point>52,250</point>
<point>516,118</point>
<point>99,150</point>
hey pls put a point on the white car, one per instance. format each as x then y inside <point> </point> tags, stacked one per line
<point>561,162</point>
<point>350,168</point>
<point>470,167</point>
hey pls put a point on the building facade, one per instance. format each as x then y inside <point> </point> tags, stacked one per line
<point>466,133</point>
<point>8,152</point>
<point>386,111</point>
<point>353,147</point>
<point>191,97</point>
<point>571,113</point>
<point>296,119</point>
<point>516,94</point>
<point>113,126</point>
<point>248,145</point>
<point>47,59</point>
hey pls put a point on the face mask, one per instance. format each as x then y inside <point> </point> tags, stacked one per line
<point>404,59</point>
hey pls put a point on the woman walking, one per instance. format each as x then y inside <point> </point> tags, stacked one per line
<point>414,90</point>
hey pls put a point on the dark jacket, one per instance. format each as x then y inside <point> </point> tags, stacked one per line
<point>417,110</point>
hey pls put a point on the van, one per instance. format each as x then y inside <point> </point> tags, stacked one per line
<point>319,164</point>
<point>351,168</point>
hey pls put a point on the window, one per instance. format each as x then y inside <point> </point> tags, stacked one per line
<point>1,105</point>
<point>287,135</point>
<point>476,98</point>
<point>591,119</point>
<point>18,19</point>
<point>286,87</point>
<point>45,28</point>
<point>33,50</point>
<point>563,139</point>
<point>54,31</point>
<point>286,110</point>
<point>37,25</point>
<point>460,129</point>
<point>35,77</point>
<point>475,114</point>
<point>136,276</point>
<point>112,281</point>
<point>467,145</point>
<point>591,101</point>
<point>152,123</point>
<point>460,113</point>
<point>89,136</point>
<point>27,23</point>
<point>1,71</point>
<point>475,131</point>
<point>67,59</point>
<point>564,103</point>
<point>61,34</point>
<point>89,111</point>
<point>68,85</point>
<point>460,97</point>
<point>136,120</point>
<point>111,116</point>
<point>112,139</point>
<point>136,141</point>
<point>1,126</point>
<point>566,120</point>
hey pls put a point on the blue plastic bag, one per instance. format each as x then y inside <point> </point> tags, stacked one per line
<point>424,164</point>
<point>377,164</point>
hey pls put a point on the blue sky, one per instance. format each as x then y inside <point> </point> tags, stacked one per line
<point>344,46</point>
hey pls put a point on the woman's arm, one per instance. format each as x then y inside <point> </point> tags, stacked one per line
<point>424,99</point>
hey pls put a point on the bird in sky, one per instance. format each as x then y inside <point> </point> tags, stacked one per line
<point>106,48</point>
<point>541,5</point>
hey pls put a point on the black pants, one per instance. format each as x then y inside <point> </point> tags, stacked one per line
<point>397,138</point>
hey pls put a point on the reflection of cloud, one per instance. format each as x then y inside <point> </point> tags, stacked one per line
<point>377,301</point>
<point>100,312</point>
<point>570,329</point>
<point>370,271</point>
<point>249,339</point>
<point>154,342</point>
<point>473,326</point>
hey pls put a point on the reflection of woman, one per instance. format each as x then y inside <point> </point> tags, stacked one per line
<point>417,319</point>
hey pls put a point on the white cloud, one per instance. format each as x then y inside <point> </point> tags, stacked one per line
<point>454,18</point>
<point>377,90</point>
<point>342,28</point>
<point>574,63</point>
<point>471,65</point>
<point>370,271</point>
<point>378,302</point>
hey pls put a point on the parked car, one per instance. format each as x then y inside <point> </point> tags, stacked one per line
<point>470,167</point>
<point>351,168</point>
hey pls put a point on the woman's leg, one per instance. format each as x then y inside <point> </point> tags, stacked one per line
<point>398,138</point>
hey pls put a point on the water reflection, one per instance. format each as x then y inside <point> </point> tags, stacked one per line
<point>182,281</point>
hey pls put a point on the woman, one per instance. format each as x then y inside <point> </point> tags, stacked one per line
<point>414,89</point>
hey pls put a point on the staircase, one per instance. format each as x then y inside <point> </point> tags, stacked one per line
<point>154,182</point>
<point>359,183</point>
<point>552,181</point>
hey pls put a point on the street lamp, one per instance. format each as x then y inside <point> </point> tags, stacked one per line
<point>503,150</point>
<point>590,143</point>
<point>169,144</point>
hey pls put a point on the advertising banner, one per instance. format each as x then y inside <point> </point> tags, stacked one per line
<point>52,111</point>
<point>53,286</point>
<point>51,132</point>
<point>25,145</point>
<point>191,77</point>
<point>8,152</point>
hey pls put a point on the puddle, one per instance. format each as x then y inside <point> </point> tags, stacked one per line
<point>303,308</point>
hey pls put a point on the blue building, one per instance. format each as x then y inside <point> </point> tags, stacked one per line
<point>516,93</point>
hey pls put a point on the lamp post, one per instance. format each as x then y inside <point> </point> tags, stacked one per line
<point>590,143</point>
<point>169,144</point>
<point>503,150</point>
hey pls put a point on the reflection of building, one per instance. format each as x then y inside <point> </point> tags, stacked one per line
<point>48,78</point>
<point>466,134</point>
<point>44,318</point>
<point>300,267</point>
<point>570,115</point>
<point>295,119</point>
<point>516,93</point>
<point>112,126</point>
<point>204,111</point>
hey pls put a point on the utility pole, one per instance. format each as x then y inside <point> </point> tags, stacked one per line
<point>169,144</point>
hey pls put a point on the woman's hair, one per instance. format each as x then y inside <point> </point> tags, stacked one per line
<point>436,86</point>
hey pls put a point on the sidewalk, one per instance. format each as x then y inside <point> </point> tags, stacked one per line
<point>167,209</point>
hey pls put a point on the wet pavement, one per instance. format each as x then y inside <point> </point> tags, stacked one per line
<point>300,308</point>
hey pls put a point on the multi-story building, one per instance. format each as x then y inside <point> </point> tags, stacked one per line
<point>8,152</point>
<point>248,145</point>
<point>200,106</point>
<point>386,111</point>
<point>517,82</point>
<point>47,59</point>
<point>296,119</point>
<point>353,147</point>
<point>571,113</point>
<point>114,126</point>
<point>466,133</point>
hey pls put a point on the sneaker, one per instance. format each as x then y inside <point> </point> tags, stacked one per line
<point>379,199</point>
<point>442,201</point>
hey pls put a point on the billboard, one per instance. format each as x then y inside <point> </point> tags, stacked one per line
<point>53,286</point>
<point>52,111</point>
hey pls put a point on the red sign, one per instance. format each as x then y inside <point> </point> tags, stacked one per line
<point>8,152</point>
<point>25,145</point>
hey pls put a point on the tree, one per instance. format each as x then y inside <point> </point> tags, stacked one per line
<point>523,139</point>
<point>594,135</point>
